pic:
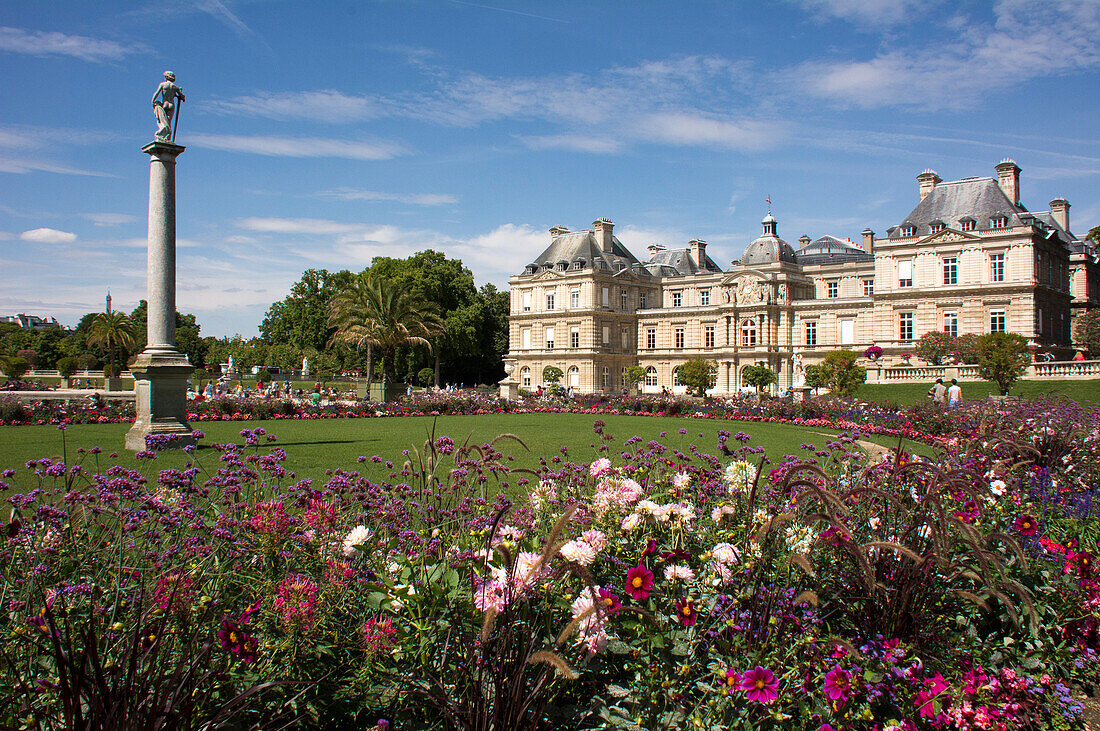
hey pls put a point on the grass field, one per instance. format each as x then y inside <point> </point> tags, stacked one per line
<point>314,446</point>
<point>909,393</point>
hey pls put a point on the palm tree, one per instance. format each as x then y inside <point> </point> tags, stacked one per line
<point>113,330</point>
<point>384,314</point>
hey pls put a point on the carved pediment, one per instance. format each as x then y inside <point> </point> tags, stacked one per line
<point>546,274</point>
<point>948,236</point>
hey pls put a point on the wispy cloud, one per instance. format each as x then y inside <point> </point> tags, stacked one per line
<point>109,219</point>
<point>415,199</point>
<point>575,142</point>
<point>868,12</point>
<point>49,43</point>
<point>686,128</point>
<point>322,105</point>
<point>511,11</point>
<point>300,146</point>
<point>47,236</point>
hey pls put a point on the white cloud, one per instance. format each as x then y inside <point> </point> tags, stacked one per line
<point>20,166</point>
<point>324,105</point>
<point>48,236</point>
<point>44,43</point>
<point>312,226</point>
<point>868,12</point>
<point>683,128</point>
<point>300,146</point>
<point>109,219</point>
<point>416,199</point>
<point>577,143</point>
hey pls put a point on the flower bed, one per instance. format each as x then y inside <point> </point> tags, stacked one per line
<point>655,587</point>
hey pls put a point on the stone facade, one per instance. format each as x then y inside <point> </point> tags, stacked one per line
<point>968,259</point>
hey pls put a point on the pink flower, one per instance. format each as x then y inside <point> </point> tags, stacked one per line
<point>639,582</point>
<point>296,601</point>
<point>489,595</point>
<point>174,592</point>
<point>730,680</point>
<point>600,467</point>
<point>379,635</point>
<point>760,685</point>
<point>837,684</point>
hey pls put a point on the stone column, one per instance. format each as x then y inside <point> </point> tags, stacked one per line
<point>161,371</point>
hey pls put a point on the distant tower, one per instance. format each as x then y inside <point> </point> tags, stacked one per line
<point>108,301</point>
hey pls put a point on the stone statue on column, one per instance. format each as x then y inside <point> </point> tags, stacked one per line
<point>165,106</point>
<point>798,372</point>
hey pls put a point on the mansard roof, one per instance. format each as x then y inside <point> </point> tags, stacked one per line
<point>680,263</point>
<point>978,198</point>
<point>831,250</point>
<point>582,246</point>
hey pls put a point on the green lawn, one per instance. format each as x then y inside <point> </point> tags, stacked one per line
<point>909,393</point>
<point>313,446</point>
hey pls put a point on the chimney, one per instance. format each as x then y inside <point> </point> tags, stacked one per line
<point>868,240</point>
<point>557,231</point>
<point>698,249</point>
<point>928,181</point>
<point>1008,177</point>
<point>653,249</point>
<point>602,228</point>
<point>803,241</point>
<point>1059,211</point>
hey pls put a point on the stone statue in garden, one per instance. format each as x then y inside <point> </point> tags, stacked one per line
<point>165,106</point>
<point>798,372</point>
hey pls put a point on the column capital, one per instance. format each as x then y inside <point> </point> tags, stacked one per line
<point>159,148</point>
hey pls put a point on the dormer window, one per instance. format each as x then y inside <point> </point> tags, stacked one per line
<point>908,229</point>
<point>967,224</point>
<point>998,222</point>
<point>937,226</point>
<point>578,264</point>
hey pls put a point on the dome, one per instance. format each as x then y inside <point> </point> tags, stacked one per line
<point>769,248</point>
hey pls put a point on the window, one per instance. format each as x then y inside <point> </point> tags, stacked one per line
<point>996,267</point>
<point>905,273</point>
<point>525,376</point>
<point>574,377</point>
<point>606,334</point>
<point>951,324</point>
<point>951,270</point>
<point>549,301</point>
<point>748,333</point>
<point>678,337</point>
<point>606,297</point>
<point>905,326</point>
<point>704,297</point>
<point>606,377</point>
<point>624,298</point>
<point>526,337</point>
<point>937,226</point>
<point>996,321</point>
<point>968,224</point>
<point>549,338</point>
<point>811,332</point>
<point>677,299</point>
<point>623,380</point>
<point>642,301</point>
<point>651,337</point>
<point>909,230</point>
<point>708,336</point>
<point>651,376</point>
<point>868,288</point>
<point>578,264</point>
<point>526,301</point>
<point>574,337</point>
<point>847,331</point>
<point>626,339</point>
<point>832,289</point>
<point>998,222</point>
<point>574,298</point>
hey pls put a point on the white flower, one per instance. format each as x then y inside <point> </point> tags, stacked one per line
<point>586,601</point>
<point>875,522</point>
<point>739,476</point>
<point>647,506</point>
<point>356,537</point>
<point>725,575</point>
<point>489,594</point>
<point>631,522</point>
<point>524,569</point>
<point>998,487</point>
<point>678,572</point>
<point>600,467</point>
<point>718,513</point>
<point>578,552</point>
<point>682,480</point>
<point>725,553</point>
<point>594,538</point>
<point>662,512</point>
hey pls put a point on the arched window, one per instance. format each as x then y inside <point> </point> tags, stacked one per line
<point>675,373</point>
<point>651,376</point>
<point>574,376</point>
<point>525,376</point>
<point>748,333</point>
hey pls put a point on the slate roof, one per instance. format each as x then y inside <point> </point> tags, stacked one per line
<point>767,249</point>
<point>831,250</point>
<point>581,246</point>
<point>680,262</point>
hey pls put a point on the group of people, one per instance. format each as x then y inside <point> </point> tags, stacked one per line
<point>946,395</point>
<point>273,390</point>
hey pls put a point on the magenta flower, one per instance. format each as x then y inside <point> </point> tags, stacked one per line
<point>610,601</point>
<point>760,685</point>
<point>1026,525</point>
<point>639,582</point>
<point>837,684</point>
<point>686,612</point>
<point>730,679</point>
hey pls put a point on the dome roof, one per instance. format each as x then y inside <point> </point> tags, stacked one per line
<point>769,248</point>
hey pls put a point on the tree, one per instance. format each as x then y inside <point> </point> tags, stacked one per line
<point>635,375</point>
<point>1086,332</point>
<point>841,374</point>
<point>425,376</point>
<point>1002,359</point>
<point>552,375</point>
<point>815,377</point>
<point>933,347</point>
<point>13,367</point>
<point>114,331</point>
<point>759,377</point>
<point>1093,234</point>
<point>301,318</point>
<point>66,367</point>
<point>384,314</point>
<point>967,345</point>
<point>188,340</point>
<point>28,355</point>
<point>698,374</point>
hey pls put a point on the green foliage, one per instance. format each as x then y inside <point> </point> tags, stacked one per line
<point>758,377</point>
<point>301,318</point>
<point>116,332</point>
<point>552,375</point>
<point>87,361</point>
<point>698,374</point>
<point>815,376</point>
<point>1003,358</point>
<point>841,374</point>
<point>66,367</point>
<point>14,367</point>
<point>933,346</point>
<point>1093,234</point>
<point>426,376</point>
<point>1086,331</point>
<point>967,347</point>
<point>635,375</point>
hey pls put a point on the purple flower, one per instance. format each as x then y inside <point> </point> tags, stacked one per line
<point>837,684</point>
<point>760,685</point>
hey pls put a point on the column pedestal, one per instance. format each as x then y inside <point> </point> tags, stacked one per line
<point>160,390</point>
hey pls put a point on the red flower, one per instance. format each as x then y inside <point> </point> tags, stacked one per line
<point>639,582</point>
<point>610,601</point>
<point>1026,525</point>
<point>686,612</point>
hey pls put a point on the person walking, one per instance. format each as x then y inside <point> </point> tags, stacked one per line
<point>954,393</point>
<point>937,392</point>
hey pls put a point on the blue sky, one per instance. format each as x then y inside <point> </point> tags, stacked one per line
<point>323,134</point>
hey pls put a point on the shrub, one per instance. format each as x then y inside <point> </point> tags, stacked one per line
<point>14,367</point>
<point>967,347</point>
<point>635,375</point>
<point>87,361</point>
<point>426,376</point>
<point>841,374</point>
<point>66,367</point>
<point>1002,359</point>
<point>28,355</point>
<point>933,346</point>
<point>758,377</point>
<point>1086,332</point>
<point>698,374</point>
<point>815,376</point>
<point>552,374</point>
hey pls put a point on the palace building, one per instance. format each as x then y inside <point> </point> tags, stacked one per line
<point>969,258</point>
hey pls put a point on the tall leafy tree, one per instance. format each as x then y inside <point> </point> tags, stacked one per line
<point>840,372</point>
<point>1086,332</point>
<point>1002,359</point>
<point>114,331</point>
<point>385,314</point>
<point>301,318</point>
